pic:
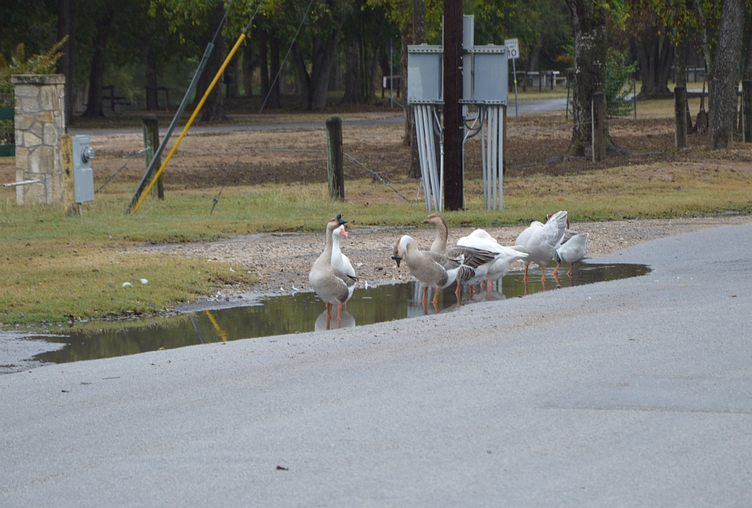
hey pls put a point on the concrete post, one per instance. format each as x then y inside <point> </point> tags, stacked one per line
<point>39,124</point>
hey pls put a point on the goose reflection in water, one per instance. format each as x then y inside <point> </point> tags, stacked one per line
<point>324,322</point>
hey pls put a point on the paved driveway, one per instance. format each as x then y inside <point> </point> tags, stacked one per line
<point>629,393</point>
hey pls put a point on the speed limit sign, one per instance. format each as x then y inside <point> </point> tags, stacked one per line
<point>513,48</point>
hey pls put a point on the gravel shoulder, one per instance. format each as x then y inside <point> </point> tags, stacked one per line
<point>282,260</point>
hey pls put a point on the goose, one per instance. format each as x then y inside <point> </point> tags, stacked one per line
<point>432,269</point>
<point>472,256</point>
<point>540,240</point>
<point>330,284</point>
<point>505,256</point>
<point>571,250</point>
<point>340,261</point>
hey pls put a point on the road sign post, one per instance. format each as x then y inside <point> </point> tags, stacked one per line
<point>513,52</point>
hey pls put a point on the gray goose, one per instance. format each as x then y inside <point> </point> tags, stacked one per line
<point>432,269</point>
<point>479,260</point>
<point>330,284</point>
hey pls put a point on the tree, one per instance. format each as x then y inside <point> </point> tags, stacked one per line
<point>727,56</point>
<point>589,18</point>
<point>213,109</point>
<point>66,28</point>
<point>318,44</point>
<point>96,74</point>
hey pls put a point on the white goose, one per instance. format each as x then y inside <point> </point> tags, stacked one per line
<point>432,269</point>
<point>331,285</point>
<point>505,255</point>
<point>339,260</point>
<point>571,250</point>
<point>477,258</point>
<point>539,241</point>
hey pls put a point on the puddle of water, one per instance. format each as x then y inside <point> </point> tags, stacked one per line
<point>303,312</point>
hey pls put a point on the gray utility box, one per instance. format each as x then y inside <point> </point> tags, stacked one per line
<point>486,83</point>
<point>83,175</point>
<point>484,76</point>
<point>425,79</point>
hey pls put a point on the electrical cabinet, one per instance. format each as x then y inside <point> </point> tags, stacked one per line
<point>83,175</point>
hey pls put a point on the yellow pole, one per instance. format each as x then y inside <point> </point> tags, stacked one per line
<point>190,121</point>
<point>220,331</point>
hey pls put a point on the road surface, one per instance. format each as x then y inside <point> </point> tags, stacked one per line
<point>635,392</point>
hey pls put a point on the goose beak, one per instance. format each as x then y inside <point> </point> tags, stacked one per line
<point>397,259</point>
<point>340,220</point>
<point>342,231</point>
<point>424,221</point>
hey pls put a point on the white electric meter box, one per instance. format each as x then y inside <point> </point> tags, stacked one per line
<point>83,175</point>
<point>425,79</point>
<point>489,75</point>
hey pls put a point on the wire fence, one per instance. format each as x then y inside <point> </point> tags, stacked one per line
<point>215,159</point>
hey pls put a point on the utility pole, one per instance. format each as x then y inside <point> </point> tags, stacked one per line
<point>453,121</point>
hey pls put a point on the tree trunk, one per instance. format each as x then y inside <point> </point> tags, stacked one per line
<point>263,64</point>
<point>723,99</point>
<point>418,37</point>
<point>275,99</point>
<point>747,54</point>
<point>656,55</point>
<point>353,82</point>
<point>324,51</point>
<point>304,79</point>
<point>681,77</point>
<point>590,56</point>
<point>152,95</point>
<point>213,109</point>
<point>248,70</point>
<point>230,78</point>
<point>66,26</point>
<point>96,76</point>
<point>314,86</point>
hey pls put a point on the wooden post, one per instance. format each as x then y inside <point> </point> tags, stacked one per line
<point>334,164</point>
<point>151,143</point>
<point>69,189</point>
<point>454,191</point>
<point>598,113</point>
<point>680,117</point>
<point>747,111</point>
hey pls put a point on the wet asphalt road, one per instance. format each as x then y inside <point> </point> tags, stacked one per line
<point>635,392</point>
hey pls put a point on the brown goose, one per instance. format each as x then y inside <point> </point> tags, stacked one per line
<point>432,269</point>
<point>480,260</point>
<point>330,284</point>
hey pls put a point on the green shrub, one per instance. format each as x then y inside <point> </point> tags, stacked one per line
<point>618,73</point>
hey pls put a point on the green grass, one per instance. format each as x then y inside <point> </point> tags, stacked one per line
<point>57,267</point>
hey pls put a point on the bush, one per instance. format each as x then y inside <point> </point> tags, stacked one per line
<point>37,64</point>
<point>618,73</point>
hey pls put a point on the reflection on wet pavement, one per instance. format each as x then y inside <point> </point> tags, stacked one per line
<point>303,312</point>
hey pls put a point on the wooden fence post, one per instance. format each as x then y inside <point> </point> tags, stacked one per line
<point>747,111</point>
<point>334,165</point>
<point>69,189</point>
<point>680,117</point>
<point>598,114</point>
<point>151,143</point>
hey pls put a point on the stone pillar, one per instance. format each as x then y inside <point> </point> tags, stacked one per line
<point>40,123</point>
